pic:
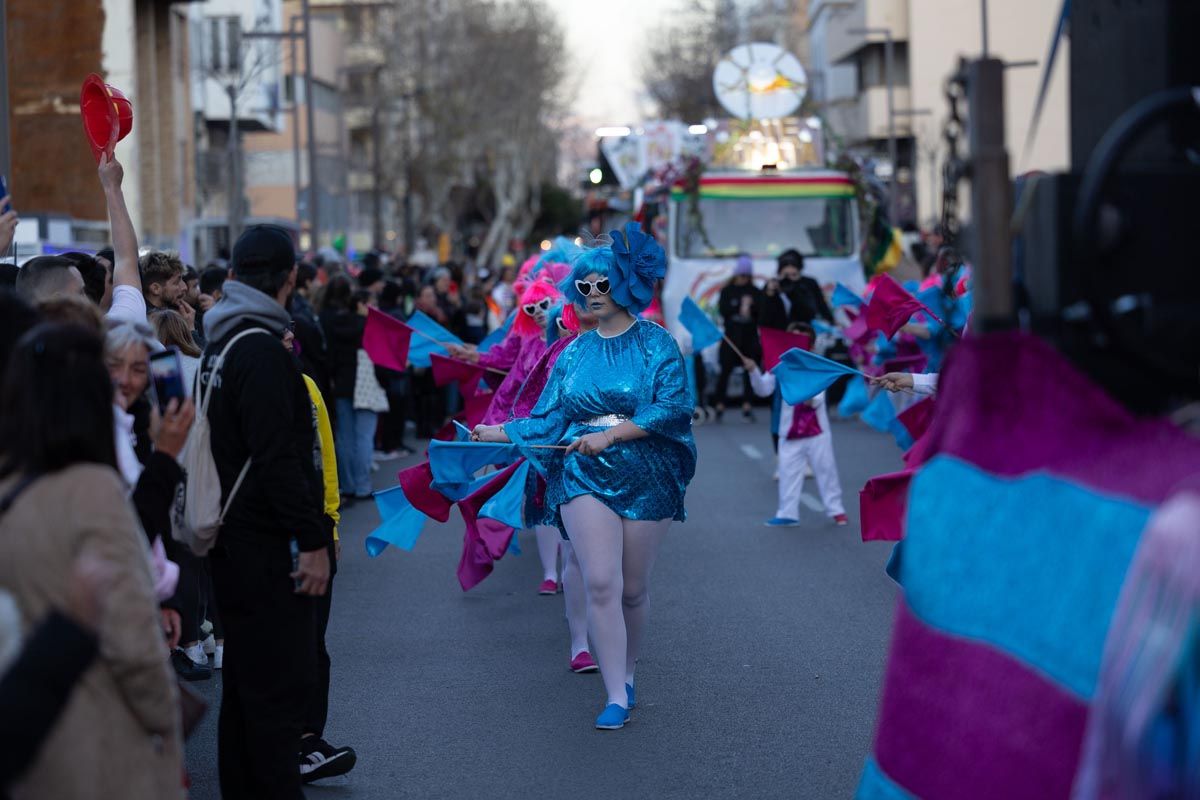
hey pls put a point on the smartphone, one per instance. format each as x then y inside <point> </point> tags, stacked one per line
<point>166,374</point>
<point>4,193</point>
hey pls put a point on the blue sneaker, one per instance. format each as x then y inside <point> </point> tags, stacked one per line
<point>612,718</point>
<point>782,522</point>
<point>631,696</point>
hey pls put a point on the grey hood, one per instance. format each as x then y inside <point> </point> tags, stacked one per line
<point>240,304</point>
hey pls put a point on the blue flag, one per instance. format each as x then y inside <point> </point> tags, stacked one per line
<point>461,432</point>
<point>455,463</point>
<point>704,331</point>
<point>960,312</point>
<point>435,336</point>
<point>508,504</point>
<point>401,524</point>
<point>825,327</point>
<point>842,296</point>
<point>803,375</point>
<point>855,398</point>
<point>495,337</point>
<point>880,414</point>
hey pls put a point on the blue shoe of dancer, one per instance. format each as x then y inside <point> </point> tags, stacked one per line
<point>781,522</point>
<point>612,718</point>
<point>631,696</point>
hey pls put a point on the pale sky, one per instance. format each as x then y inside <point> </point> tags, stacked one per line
<point>605,40</point>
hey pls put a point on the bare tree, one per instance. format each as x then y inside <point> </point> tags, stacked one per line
<point>237,66</point>
<point>480,84</point>
<point>678,66</point>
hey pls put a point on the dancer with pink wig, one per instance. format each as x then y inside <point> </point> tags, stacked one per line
<point>518,354</point>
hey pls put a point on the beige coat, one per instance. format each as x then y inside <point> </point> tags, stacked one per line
<point>119,736</point>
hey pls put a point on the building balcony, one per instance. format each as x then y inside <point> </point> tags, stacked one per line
<point>365,54</point>
<point>841,45</point>
<point>360,179</point>
<point>864,118</point>
<point>358,117</point>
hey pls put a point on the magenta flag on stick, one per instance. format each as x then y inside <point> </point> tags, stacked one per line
<point>386,340</point>
<point>891,307</point>
<point>916,418</point>
<point>882,505</point>
<point>449,370</point>
<point>776,342</point>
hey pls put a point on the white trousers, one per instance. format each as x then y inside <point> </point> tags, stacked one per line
<point>817,452</point>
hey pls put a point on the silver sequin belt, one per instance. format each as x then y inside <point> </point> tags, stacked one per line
<point>606,421</point>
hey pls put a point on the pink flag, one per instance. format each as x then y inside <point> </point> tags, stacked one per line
<point>776,342</point>
<point>914,363</point>
<point>891,307</point>
<point>882,505</point>
<point>474,409</point>
<point>916,418</point>
<point>485,540</point>
<point>386,340</point>
<point>857,330</point>
<point>417,483</point>
<point>446,370</point>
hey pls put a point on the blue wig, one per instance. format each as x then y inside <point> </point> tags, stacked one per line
<point>599,260</point>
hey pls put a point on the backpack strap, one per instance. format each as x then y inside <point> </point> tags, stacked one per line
<point>206,397</point>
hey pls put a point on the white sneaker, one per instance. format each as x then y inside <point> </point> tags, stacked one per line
<point>209,645</point>
<point>218,656</point>
<point>196,654</point>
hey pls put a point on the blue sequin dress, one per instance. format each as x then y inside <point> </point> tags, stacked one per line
<point>638,374</point>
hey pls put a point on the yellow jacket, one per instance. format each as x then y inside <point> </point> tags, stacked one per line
<point>328,457</point>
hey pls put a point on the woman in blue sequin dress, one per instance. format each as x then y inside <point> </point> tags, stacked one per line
<point>618,399</point>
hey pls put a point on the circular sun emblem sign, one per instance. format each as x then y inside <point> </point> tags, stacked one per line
<point>760,81</point>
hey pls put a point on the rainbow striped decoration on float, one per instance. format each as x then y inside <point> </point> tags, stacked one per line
<point>770,188</point>
<point>1021,528</point>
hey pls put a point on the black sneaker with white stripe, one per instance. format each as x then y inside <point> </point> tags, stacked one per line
<point>319,759</point>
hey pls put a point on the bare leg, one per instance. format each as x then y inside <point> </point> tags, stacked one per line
<point>575,596</point>
<point>642,542</point>
<point>596,535</point>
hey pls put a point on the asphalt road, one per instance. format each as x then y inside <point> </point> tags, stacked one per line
<point>759,679</point>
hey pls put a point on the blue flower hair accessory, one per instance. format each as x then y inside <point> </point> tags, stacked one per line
<point>639,263</point>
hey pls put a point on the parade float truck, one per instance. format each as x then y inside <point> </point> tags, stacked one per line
<point>754,186</point>
<point>761,213</point>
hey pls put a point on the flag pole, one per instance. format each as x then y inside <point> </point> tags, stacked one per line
<point>448,345</point>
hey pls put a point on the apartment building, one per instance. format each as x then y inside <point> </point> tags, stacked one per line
<point>848,46</point>
<point>141,47</point>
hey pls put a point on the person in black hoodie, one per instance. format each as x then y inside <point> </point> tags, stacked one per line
<point>739,304</point>
<point>798,298</point>
<point>271,556</point>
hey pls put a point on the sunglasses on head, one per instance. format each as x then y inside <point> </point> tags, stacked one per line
<point>585,287</point>
<point>541,305</point>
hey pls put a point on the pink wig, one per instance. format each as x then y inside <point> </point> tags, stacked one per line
<point>524,324</point>
<point>523,276</point>
<point>570,319</point>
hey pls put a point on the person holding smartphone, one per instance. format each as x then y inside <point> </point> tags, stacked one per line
<point>151,429</point>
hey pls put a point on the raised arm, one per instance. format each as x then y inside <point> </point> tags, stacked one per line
<point>125,246</point>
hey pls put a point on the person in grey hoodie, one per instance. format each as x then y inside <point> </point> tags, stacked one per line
<point>271,556</point>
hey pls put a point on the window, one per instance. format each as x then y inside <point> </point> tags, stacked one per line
<point>871,65</point>
<point>765,228</point>
<point>224,44</point>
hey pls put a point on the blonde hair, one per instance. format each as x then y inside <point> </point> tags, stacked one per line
<point>172,329</point>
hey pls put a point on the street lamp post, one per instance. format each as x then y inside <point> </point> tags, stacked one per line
<point>889,47</point>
